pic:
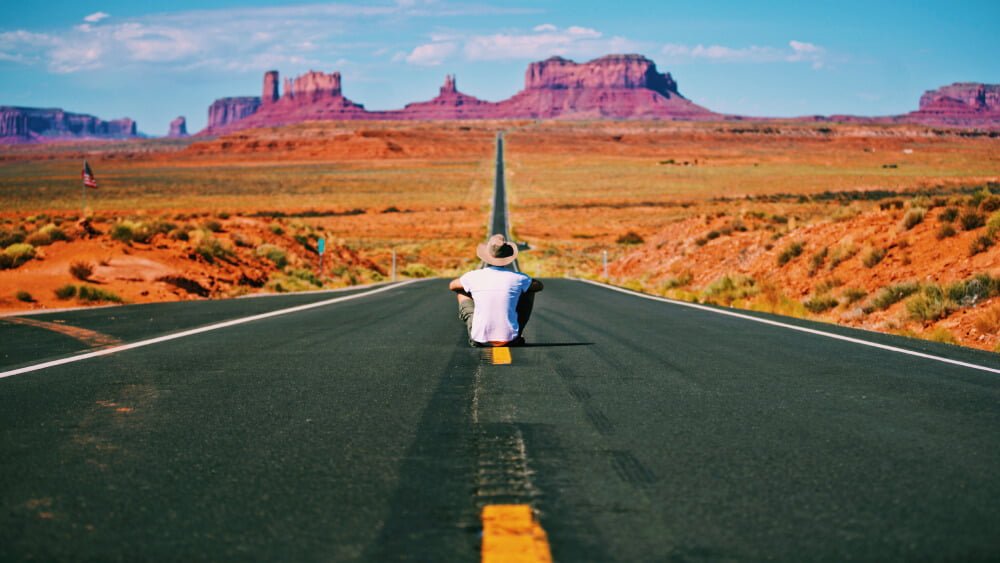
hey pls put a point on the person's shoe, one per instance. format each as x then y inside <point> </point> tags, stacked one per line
<point>519,341</point>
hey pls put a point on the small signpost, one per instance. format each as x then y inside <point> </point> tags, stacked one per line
<point>605,264</point>
<point>320,248</point>
<point>393,264</point>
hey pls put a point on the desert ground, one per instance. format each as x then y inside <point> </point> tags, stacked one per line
<point>888,228</point>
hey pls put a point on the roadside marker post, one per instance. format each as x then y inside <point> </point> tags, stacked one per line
<point>605,264</point>
<point>320,248</point>
<point>393,264</point>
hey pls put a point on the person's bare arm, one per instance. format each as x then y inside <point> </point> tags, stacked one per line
<point>535,286</point>
<point>456,286</point>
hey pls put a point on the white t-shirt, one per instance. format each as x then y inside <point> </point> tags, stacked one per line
<point>495,292</point>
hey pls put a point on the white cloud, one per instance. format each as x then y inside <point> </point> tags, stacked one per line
<point>431,54</point>
<point>798,51</point>
<point>96,17</point>
<point>544,41</point>
<point>228,39</point>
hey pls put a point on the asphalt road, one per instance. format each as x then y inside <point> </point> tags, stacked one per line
<point>367,430</point>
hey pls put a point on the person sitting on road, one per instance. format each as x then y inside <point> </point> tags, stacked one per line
<point>495,303</point>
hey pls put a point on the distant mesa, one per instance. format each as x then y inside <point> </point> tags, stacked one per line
<point>25,125</point>
<point>960,104</point>
<point>615,86</point>
<point>178,128</point>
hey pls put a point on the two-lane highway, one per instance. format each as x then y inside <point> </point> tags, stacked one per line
<point>367,430</point>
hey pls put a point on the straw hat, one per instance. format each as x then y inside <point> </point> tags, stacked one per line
<point>497,251</point>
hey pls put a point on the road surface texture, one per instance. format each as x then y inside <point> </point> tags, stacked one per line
<point>360,426</point>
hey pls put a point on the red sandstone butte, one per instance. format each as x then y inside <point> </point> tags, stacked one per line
<point>615,86</point>
<point>178,128</point>
<point>960,104</point>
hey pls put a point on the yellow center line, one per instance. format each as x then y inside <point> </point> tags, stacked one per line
<point>501,356</point>
<point>511,534</point>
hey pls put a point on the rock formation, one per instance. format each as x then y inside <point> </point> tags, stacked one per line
<point>21,124</point>
<point>226,111</point>
<point>615,86</point>
<point>178,128</point>
<point>959,104</point>
<point>449,104</point>
<point>270,93</point>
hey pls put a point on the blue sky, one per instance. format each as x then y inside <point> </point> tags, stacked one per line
<point>153,60</point>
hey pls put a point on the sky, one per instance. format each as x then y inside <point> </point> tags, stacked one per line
<point>154,60</point>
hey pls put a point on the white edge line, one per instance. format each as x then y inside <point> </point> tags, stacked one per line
<point>199,330</point>
<point>792,327</point>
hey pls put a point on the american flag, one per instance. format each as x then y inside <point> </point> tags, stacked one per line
<point>88,176</point>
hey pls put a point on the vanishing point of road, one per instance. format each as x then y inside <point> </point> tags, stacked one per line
<point>358,425</point>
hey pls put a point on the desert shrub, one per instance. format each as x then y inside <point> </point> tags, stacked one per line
<point>819,303</point>
<point>989,204</point>
<point>816,262</point>
<point>913,217</point>
<point>978,197</point>
<point>276,228</point>
<point>980,244</point>
<point>890,295</point>
<point>91,293</point>
<point>81,270</point>
<point>948,215</point>
<point>306,276</point>
<point>712,235</point>
<point>224,215</point>
<point>241,240</point>
<point>930,304</point>
<point>701,241</point>
<point>17,254</point>
<point>993,225</point>
<point>211,248</point>
<point>179,234</point>
<point>826,285</point>
<point>67,291</point>
<point>123,231</point>
<point>11,236</point>
<point>941,334</point>
<point>46,235</point>
<point>729,288</point>
<point>630,237</point>
<point>945,231</point>
<point>793,250</point>
<point>873,257</point>
<point>988,322</point>
<point>854,294</point>
<point>843,252</point>
<point>417,270</point>
<point>972,290</point>
<point>24,296</point>
<point>275,254</point>
<point>971,220</point>
<point>681,280</point>
<point>213,226</point>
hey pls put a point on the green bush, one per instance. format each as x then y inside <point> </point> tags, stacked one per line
<point>945,231</point>
<point>971,220</point>
<point>948,215</point>
<point>817,260</point>
<point>214,226</point>
<point>91,293</point>
<point>873,257</point>
<point>11,236</point>
<point>81,270</point>
<point>211,248</point>
<point>275,254</point>
<point>972,290</point>
<point>67,291</point>
<point>727,289</point>
<point>417,270</point>
<point>980,244</point>
<point>854,294</point>
<point>123,231</point>
<point>306,275</point>
<point>889,296</point>
<point>791,251</point>
<point>276,228</point>
<point>819,303</point>
<point>931,304</point>
<point>17,254</point>
<point>24,296</point>
<point>914,216</point>
<point>46,235</point>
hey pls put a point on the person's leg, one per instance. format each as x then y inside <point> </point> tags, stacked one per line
<point>524,307</point>
<point>466,308</point>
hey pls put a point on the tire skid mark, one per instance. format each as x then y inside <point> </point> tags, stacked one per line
<point>630,469</point>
